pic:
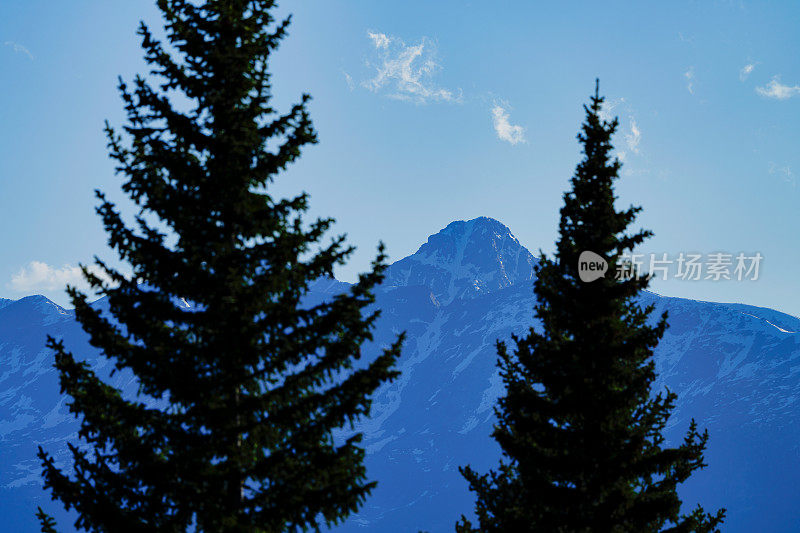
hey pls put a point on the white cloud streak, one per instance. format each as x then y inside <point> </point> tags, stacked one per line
<point>746,70</point>
<point>349,79</point>
<point>689,75</point>
<point>511,133</point>
<point>777,90</point>
<point>633,135</point>
<point>608,107</point>
<point>633,138</point>
<point>380,40</point>
<point>19,49</point>
<point>785,173</point>
<point>406,72</point>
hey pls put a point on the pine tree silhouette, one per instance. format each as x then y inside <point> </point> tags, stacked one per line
<point>580,432</point>
<point>47,523</point>
<point>239,396</point>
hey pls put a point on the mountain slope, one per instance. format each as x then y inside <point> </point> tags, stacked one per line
<point>736,369</point>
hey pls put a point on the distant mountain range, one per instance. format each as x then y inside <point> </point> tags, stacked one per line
<point>736,369</point>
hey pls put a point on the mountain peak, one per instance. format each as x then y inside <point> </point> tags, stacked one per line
<point>465,259</point>
<point>35,309</point>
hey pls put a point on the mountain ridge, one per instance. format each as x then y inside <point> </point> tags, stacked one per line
<point>735,367</point>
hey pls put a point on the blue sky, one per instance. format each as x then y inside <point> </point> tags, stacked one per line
<point>433,112</point>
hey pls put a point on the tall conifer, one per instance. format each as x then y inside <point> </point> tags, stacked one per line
<point>239,396</point>
<point>580,430</point>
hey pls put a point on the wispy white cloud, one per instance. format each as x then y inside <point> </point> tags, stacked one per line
<point>406,72</point>
<point>784,172</point>
<point>746,70</point>
<point>779,91</point>
<point>689,75</point>
<point>630,130</point>
<point>511,133</point>
<point>349,79</point>
<point>609,106</point>
<point>19,49</point>
<point>633,138</point>
<point>380,40</point>
<point>38,276</point>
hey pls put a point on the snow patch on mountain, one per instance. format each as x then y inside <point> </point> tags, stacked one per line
<point>464,260</point>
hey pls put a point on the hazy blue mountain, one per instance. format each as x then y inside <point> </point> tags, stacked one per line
<point>736,369</point>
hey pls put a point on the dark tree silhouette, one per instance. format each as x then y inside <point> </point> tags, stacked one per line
<point>580,431</point>
<point>239,396</point>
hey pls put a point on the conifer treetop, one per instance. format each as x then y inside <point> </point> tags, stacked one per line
<point>580,430</point>
<point>239,396</point>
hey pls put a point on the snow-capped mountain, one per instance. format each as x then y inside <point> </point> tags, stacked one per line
<point>735,368</point>
<point>465,260</point>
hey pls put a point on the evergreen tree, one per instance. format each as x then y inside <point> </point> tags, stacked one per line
<point>580,431</point>
<point>232,428</point>
<point>46,522</point>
